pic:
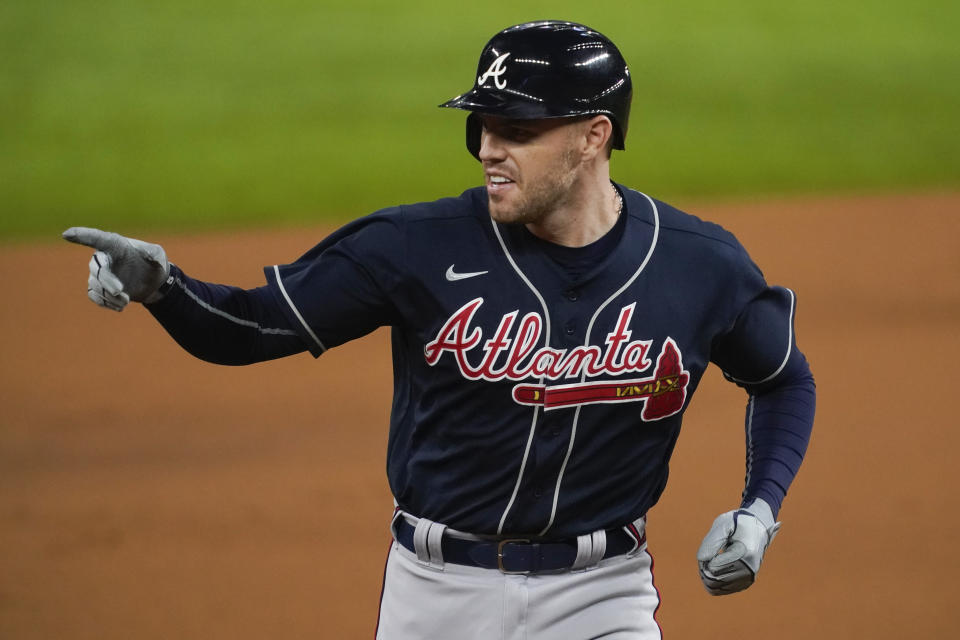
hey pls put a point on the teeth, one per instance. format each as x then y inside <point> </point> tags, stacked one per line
<point>498,179</point>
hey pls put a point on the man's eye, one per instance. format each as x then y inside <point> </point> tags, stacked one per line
<point>518,135</point>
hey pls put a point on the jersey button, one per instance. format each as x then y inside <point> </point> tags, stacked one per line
<point>537,492</point>
<point>571,294</point>
<point>569,328</point>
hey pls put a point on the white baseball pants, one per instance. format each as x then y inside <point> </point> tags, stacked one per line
<point>614,600</point>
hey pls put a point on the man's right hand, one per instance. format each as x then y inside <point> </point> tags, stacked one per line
<point>122,269</point>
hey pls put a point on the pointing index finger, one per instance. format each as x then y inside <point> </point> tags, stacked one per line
<point>87,236</point>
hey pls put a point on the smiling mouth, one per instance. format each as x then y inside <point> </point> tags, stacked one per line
<point>497,184</point>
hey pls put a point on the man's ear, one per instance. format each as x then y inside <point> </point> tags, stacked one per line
<point>598,135</point>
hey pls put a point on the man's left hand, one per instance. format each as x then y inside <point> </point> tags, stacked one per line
<point>731,553</point>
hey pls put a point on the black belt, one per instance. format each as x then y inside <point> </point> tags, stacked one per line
<point>516,555</point>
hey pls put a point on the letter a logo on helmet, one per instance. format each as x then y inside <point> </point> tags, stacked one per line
<point>496,70</point>
<point>557,70</point>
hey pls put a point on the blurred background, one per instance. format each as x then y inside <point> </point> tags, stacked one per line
<point>185,115</point>
<point>145,494</point>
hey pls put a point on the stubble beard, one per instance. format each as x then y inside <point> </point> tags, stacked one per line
<point>541,196</point>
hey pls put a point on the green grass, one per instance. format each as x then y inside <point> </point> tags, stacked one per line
<point>137,115</point>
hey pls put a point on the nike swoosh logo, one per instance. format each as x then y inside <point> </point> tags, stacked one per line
<point>453,276</point>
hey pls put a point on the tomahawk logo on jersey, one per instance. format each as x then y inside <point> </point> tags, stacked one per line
<point>513,354</point>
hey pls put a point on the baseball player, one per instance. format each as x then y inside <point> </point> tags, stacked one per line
<point>549,329</point>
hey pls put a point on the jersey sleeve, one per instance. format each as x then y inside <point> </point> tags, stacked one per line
<point>759,353</point>
<point>757,348</point>
<point>224,324</point>
<point>344,287</point>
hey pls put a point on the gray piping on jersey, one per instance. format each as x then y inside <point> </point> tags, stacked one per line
<point>786,358</point>
<point>536,410</point>
<point>223,314</point>
<point>286,296</point>
<point>746,482</point>
<point>583,376</point>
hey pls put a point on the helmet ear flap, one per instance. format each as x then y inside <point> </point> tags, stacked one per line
<point>474,130</point>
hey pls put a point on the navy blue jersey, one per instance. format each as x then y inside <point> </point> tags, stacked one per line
<point>530,398</point>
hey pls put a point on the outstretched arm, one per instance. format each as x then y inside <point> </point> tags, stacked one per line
<point>223,324</point>
<point>217,323</point>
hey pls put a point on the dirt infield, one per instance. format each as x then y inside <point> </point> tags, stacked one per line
<point>145,494</point>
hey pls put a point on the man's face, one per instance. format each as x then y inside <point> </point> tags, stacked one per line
<point>530,166</point>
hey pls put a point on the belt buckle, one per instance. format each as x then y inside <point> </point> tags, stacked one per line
<point>500,546</point>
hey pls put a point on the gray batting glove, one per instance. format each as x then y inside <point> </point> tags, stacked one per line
<point>122,269</point>
<point>731,553</point>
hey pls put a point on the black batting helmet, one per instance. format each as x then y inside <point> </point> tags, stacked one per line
<point>548,69</point>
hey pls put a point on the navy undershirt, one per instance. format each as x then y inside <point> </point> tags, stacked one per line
<point>577,261</point>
